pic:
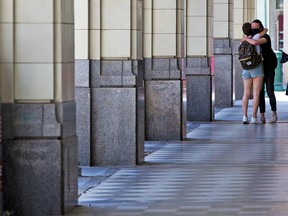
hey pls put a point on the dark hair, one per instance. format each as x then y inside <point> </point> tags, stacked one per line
<point>246,28</point>
<point>260,23</point>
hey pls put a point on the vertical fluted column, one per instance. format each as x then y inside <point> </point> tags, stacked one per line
<point>37,87</point>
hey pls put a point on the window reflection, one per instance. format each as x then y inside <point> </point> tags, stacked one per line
<point>279,4</point>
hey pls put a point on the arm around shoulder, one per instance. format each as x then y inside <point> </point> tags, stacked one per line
<point>249,40</point>
<point>263,32</point>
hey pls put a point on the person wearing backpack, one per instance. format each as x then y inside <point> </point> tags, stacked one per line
<point>252,77</point>
<point>269,64</point>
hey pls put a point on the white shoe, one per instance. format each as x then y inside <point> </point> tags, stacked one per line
<point>263,120</point>
<point>254,120</point>
<point>245,120</point>
<point>274,119</point>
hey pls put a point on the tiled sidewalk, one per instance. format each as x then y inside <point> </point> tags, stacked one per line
<point>223,168</point>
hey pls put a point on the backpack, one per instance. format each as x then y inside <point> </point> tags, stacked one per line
<point>248,56</point>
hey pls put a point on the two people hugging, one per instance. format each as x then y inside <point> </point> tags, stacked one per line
<point>260,76</point>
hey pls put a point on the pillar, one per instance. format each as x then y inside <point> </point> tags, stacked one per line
<point>165,82</point>
<point>285,40</point>
<point>38,107</point>
<point>1,155</point>
<point>200,61</point>
<point>109,78</point>
<point>83,79</point>
<point>223,53</point>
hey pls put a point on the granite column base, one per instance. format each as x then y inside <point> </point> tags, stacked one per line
<point>164,110</point>
<point>1,162</point>
<point>117,112</point>
<point>200,98</point>
<point>83,110</point>
<point>223,73</point>
<point>114,131</point>
<point>238,81</point>
<point>40,169</point>
<point>200,89</point>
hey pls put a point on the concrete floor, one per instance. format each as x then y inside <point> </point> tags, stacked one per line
<point>222,168</point>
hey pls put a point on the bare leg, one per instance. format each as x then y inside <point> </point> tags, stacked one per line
<point>245,99</point>
<point>257,86</point>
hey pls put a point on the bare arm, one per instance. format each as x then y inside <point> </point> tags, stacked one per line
<point>259,41</point>
<point>256,42</point>
<point>263,32</point>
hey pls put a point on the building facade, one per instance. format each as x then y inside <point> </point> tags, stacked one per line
<point>87,82</point>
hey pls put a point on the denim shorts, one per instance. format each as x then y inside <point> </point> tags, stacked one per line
<point>255,72</point>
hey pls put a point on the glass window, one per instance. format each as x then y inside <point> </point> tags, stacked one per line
<point>279,4</point>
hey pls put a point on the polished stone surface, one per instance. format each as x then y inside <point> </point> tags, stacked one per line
<point>83,122</point>
<point>162,69</point>
<point>114,126</point>
<point>83,105</point>
<point>164,84</point>
<point>39,120</point>
<point>200,108</point>
<point>222,73</point>
<point>40,158</point>
<point>163,110</point>
<point>40,176</point>
<point>223,168</point>
<point>238,82</point>
<point>115,73</point>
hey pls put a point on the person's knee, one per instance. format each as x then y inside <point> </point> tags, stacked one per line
<point>256,92</point>
<point>246,95</point>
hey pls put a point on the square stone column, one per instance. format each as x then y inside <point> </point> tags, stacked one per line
<point>200,60</point>
<point>223,73</point>
<point>165,78</point>
<point>1,160</point>
<point>165,117</point>
<point>109,82</point>
<point>40,169</point>
<point>83,110</point>
<point>237,71</point>
<point>117,112</point>
<point>200,90</point>
<point>41,161</point>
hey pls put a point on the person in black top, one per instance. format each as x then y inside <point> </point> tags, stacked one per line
<point>269,64</point>
<point>284,58</point>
